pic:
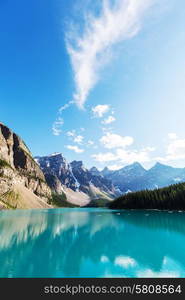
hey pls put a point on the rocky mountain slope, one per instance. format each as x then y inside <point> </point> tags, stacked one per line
<point>74,179</point>
<point>22,183</point>
<point>128,178</point>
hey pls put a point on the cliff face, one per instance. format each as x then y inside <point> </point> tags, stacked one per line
<point>57,171</point>
<point>18,170</point>
<point>88,181</point>
<point>74,179</point>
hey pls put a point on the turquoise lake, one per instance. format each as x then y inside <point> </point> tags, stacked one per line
<point>92,243</point>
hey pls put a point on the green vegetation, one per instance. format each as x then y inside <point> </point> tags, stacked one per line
<point>98,203</point>
<point>5,176</point>
<point>61,201</point>
<point>4,164</point>
<point>168,198</point>
<point>9,198</point>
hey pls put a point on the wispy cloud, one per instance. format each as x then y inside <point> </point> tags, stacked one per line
<point>118,21</point>
<point>71,133</point>
<point>59,122</point>
<point>109,120</point>
<point>65,106</point>
<point>57,125</point>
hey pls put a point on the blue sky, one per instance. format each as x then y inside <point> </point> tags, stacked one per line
<point>119,65</point>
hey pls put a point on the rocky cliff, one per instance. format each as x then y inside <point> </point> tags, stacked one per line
<point>92,183</point>
<point>76,181</point>
<point>22,183</point>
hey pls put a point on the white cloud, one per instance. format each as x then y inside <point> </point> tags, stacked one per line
<point>109,120</point>
<point>106,129</point>
<point>78,139</point>
<point>172,136</point>
<point>100,110</point>
<point>115,167</point>
<point>75,149</point>
<point>175,149</point>
<point>91,49</point>
<point>112,140</point>
<point>71,133</point>
<point>75,137</point>
<point>90,143</point>
<point>129,157</point>
<point>123,157</point>
<point>105,157</point>
<point>125,261</point>
<point>56,128</point>
<point>149,149</point>
<point>120,153</point>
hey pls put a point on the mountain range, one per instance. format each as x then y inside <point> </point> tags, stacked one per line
<point>78,183</point>
<point>106,184</point>
<point>135,178</point>
<point>49,181</point>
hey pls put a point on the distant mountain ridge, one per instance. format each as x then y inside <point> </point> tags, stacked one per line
<point>135,178</point>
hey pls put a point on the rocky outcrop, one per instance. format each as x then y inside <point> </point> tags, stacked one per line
<point>95,171</point>
<point>17,167</point>
<point>128,178</point>
<point>88,179</point>
<point>57,171</point>
<point>75,177</point>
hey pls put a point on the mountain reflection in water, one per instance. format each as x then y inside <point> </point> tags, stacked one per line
<point>92,243</point>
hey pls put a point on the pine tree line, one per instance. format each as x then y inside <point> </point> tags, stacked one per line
<point>170,198</point>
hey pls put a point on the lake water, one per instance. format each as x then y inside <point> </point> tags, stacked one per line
<point>92,243</point>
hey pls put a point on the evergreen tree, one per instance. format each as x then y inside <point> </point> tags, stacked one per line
<point>172,197</point>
